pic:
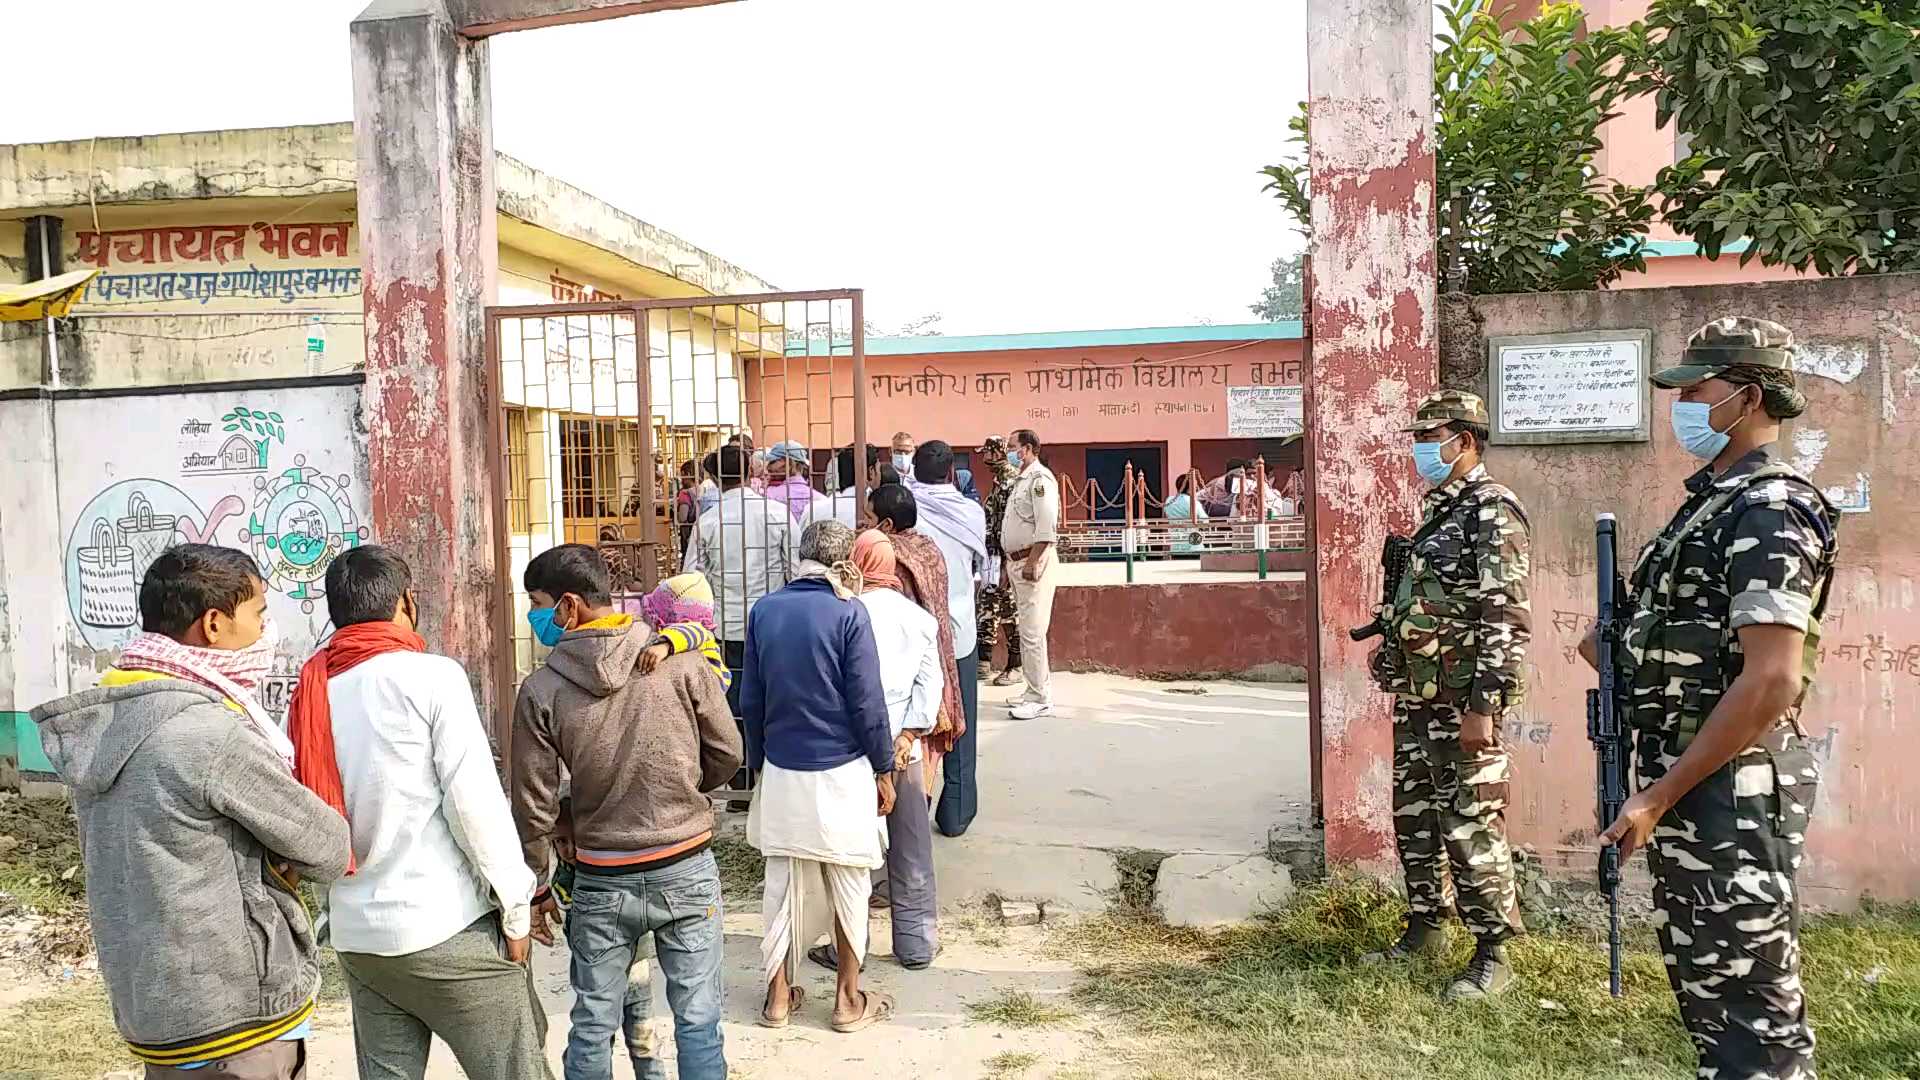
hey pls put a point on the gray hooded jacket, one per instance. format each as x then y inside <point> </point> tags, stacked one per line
<point>182,805</point>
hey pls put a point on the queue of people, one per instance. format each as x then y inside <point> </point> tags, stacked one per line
<point>202,817</point>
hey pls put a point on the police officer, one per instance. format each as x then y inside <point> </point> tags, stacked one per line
<point>1718,655</point>
<point>1028,534</point>
<point>1455,660</point>
<point>996,596</point>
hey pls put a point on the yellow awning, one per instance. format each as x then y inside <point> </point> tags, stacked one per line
<point>39,299</point>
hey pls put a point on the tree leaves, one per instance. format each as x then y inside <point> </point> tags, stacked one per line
<point>1805,112</point>
<point>1522,207</point>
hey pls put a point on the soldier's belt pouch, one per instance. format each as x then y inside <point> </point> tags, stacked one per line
<point>1436,640</point>
<point>1696,703</point>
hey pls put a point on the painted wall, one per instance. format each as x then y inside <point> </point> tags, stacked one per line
<point>102,484</point>
<point>1104,395</point>
<point>1221,628</point>
<point>1860,439</point>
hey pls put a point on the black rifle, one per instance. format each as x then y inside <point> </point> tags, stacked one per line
<point>1604,728</point>
<point>1395,554</point>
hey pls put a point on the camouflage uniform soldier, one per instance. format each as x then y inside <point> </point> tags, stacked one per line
<point>1455,659</point>
<point>1717,658</point>
<point>996,600</point>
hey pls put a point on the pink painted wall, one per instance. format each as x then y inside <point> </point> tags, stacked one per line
<point>1107,395</point>
<point>1679,270</point>
<point>1864,420</point>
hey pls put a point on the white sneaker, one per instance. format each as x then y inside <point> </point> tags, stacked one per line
<point>1031,710</point>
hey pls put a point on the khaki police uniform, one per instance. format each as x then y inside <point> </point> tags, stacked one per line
<point>1752,545</point>
<point>1033,517</point>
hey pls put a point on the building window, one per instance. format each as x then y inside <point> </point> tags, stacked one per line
<point>598,467</point>
<point>519,492</point>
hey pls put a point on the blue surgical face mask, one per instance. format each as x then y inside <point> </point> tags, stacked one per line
<point>1693,426</point>
<point>545,630</point>
<point>1426,458</point>
<point>1013,456</point>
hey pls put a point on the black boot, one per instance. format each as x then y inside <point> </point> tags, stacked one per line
<point>1487,974</point>
<point>1420,936</point>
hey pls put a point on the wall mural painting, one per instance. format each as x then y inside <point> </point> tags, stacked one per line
<point>232,487</point>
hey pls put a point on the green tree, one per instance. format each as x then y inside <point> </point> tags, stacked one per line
<point>1517,124</point>
<point>1804,120</point>
<point>1286,297</point>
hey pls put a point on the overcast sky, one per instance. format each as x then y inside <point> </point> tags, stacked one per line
<point>1013,165</point>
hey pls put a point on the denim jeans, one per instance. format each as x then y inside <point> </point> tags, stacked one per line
<point>960,796</point>
<point>680,905</point>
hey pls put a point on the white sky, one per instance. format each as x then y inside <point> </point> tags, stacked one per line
<point>1014,165</point>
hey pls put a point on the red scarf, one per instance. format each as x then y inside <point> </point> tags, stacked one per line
<point>310,716</point>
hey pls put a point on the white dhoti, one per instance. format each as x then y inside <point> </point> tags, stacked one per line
<point>822,837</point>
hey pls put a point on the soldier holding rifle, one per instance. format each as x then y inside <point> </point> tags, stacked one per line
<point>1717,655</point>
<point>1456,624</point>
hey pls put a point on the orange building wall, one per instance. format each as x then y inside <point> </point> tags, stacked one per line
<point>1110,395</point>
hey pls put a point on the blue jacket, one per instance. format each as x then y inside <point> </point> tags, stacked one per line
<point>810,696</point>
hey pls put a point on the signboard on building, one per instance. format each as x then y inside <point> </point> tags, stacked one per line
<point>1265,412</point>
<point>1566,388</point>
<point>221,268</point>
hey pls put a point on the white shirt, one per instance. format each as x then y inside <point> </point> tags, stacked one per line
<point>432,832</point>
<point>961,570</point>
<point>745,545</point>
<point>908,638</point>
<point>841,506</point>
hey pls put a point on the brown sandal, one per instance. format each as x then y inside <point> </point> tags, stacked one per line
<point>873,1009</point>
<point>795,995</point>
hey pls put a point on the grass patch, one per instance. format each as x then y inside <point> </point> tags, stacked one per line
<point>1137,869</point>
<point>1018,1009</point>
<point>61,1035</point>
<point>743,870</point>
<point>40,866</point>
<point>1284,997</point>
<point>1010,1064</point>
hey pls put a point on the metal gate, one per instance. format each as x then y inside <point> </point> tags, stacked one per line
<point>592,445</point>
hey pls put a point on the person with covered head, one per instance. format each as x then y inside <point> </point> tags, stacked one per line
<point>909,642</point>
<point>815,706</point>
<point>922,569</point>
<point>787,481</point>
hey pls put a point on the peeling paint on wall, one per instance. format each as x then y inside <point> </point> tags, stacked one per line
<point>1809,449</point>
<point>1841,363</point>
<point>1857,499</point>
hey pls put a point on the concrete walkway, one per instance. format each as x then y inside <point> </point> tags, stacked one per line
<point>1123,763</point>
<point>1126,763</point>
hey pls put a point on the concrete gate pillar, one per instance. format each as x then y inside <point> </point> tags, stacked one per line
<point>1370,100</point>
<point>429,249</point>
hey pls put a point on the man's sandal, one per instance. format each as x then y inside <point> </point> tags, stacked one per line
<point>795,995</point>
<point>874,1008</point>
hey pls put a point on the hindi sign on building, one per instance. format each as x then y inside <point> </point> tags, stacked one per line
<point>1265,412</point>
<point>1568,388</point>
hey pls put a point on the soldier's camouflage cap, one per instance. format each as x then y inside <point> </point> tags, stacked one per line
<point>1443,407</point>
<point>1728,342</point>
<point>994,442</point>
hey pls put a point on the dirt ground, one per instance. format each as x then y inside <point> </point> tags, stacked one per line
<point>933,1032</point>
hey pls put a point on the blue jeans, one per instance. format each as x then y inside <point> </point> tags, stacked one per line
<point>681,907</point>
<point>960,795</point>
